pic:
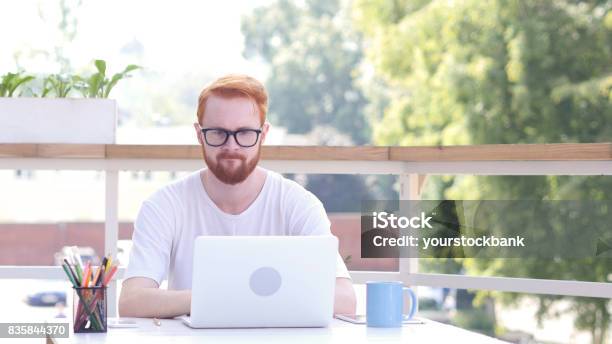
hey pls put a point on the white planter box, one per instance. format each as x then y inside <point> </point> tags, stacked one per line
<point>58,120</point>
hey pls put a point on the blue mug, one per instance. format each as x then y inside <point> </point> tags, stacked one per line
<point>385,303</point>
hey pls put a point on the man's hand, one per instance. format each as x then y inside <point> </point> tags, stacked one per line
<point>344,300</point>
<point>141,297</point>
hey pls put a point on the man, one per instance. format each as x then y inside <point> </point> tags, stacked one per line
<point>233,196</point>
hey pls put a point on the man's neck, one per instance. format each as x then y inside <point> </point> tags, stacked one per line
<point>233,199</point>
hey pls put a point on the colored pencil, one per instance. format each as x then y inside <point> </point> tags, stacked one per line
<point>79,272</point>
<point>69,274</point>
<point>110,275</point>
<point>95,279</point>
<point>86,274</point>
<point>109,263</point>
<point>84,278</point>
<point>77,256</point>
<point>74,276</point>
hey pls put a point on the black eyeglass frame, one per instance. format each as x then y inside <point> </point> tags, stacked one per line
<point>232,133</point>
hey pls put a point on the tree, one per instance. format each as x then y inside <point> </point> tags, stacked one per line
<point>502,71</point>
<point>313,54</point>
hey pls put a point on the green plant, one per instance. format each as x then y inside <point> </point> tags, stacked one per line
<point>98,85</point>
<point>60,85</point>
<point>11,81</point>
<point>476,319</point>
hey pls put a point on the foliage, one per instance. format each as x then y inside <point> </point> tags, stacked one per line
<point>477,319</point>
<point>58,85</point>
<point>98,85</point>
<point>500,71</point>
<point>12,81</point>
<point>313,54</point>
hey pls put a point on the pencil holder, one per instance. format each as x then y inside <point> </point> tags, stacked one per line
<point>89,309</point>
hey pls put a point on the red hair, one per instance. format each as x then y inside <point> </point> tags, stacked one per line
<point>232,86</point>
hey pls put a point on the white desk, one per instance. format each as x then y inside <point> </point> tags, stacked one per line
<point>173,331</point>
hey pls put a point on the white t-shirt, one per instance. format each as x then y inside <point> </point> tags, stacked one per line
<point>171,219</point>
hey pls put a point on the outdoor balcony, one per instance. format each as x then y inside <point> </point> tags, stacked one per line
<point>411,166</point>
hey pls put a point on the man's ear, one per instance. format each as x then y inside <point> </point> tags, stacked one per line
<point>264,131</point>
<point>198,133</point>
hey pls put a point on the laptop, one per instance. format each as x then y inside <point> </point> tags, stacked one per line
<point>263,281</point>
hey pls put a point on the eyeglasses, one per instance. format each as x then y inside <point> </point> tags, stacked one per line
<point>217,137</point>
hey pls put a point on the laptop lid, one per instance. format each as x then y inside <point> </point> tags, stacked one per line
<point>263,281</point>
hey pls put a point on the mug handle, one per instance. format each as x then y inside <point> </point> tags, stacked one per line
<point>413,304</point>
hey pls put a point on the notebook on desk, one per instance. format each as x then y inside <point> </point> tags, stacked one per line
<point>263,281</point>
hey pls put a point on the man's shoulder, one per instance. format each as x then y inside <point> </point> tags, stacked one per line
<point>302,212</point>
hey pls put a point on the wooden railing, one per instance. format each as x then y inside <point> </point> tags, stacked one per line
<point>410,164</point>
<point>510,152</point>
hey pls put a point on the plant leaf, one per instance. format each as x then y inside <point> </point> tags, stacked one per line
<point>66,91</point>
<point>130,68</point>
<point>94,85</point>
<point>101,66</point>
<point>119,76</point>
<point>18,82</point>
<point>45,92</point>
<point>112,83</point>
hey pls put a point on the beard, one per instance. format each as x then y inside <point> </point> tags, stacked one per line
<point>231,172</point>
